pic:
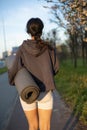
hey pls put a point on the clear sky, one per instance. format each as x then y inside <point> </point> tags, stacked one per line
<point>14,15</point>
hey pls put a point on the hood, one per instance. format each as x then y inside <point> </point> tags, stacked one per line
<point>33,48</point>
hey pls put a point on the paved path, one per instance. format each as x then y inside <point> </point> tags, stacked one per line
<point>59,120</point>
<point>12,116</point>
<point>8,95</point>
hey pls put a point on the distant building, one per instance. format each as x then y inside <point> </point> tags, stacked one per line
<point>5,54</point>
<point>14,50</point>
<point>2,64</point>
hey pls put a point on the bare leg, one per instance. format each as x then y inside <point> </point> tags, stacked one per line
<point>32,117</point>
<point>45,107</point>
<point>44,119</point>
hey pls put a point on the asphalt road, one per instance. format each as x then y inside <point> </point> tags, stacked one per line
<point>8,95</point>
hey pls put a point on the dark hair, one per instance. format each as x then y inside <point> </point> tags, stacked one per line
<point>34,27</point>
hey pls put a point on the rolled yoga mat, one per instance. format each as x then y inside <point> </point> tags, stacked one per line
<point>25,84</point>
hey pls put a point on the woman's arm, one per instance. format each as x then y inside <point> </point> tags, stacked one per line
<point>55,61</point>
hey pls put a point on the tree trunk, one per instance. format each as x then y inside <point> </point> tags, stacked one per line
<point>86,51</point>
<point>75,51</point>
<point>83,53</point>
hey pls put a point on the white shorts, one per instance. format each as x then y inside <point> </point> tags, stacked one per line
<point>45,103</point>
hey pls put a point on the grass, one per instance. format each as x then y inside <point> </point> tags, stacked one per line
<point>3,70</point>
<point>72,85</point>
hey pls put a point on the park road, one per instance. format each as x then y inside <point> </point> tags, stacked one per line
<point>12,116</point>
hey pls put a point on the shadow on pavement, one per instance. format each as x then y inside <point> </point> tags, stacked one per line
<point>71,122</point>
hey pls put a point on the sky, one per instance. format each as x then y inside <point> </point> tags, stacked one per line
<point>14,15</point>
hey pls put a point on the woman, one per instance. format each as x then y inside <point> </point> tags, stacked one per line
<point>39,58</point>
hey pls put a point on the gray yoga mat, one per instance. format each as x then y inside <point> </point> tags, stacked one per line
<point>25,84</point>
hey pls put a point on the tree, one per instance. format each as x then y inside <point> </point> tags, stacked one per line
<point>72,16</point>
